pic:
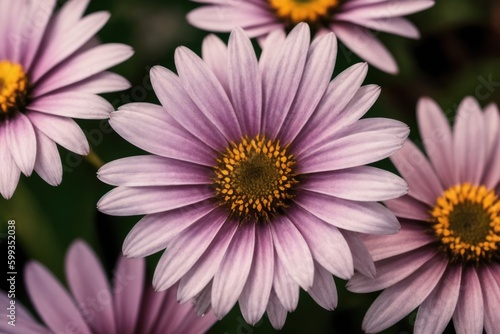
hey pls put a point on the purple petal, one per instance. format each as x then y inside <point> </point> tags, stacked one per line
<point>83,66</point>
<point>327,116</point>
<point>181,107</point>
<point>255,295</point>
<point>207,93</point>
<point>400,299</point>
<point>469,313</point>
<point>438,141</point>
<point>276,312</point>
<point>245,82</point>
<point>418,172</point>
<point>388,8</point>
<point>186,249</point>
<point>21,140</point>
<point>9,173</point>
<point>317,74</point>
<point>281,84</point>
<point>358,183</point>
<point>144,124</point>
<point>270,50</point>
<point>392,270</point>
<point>128,293</point>
<point>74,105</point>
<point>470,158</point>
<point>151,170</point>
<point>202,272</point>
<point>48,163</point>
<point>363,43</point>
<point>215,55</point>
<point>63,42</point>
<point>154,232</point>
<point>61,130</point>
<point>363,142</point>
<point>125,201</point>
<point>362,259</point>
<point>25,323</point>
<point>437,309</point>
<point>53,303</point>
<point>285,287</point>
<point>323,290</point>
<point>327,245</point>
<point>233,272</point>
<point>394,25</point>
<point>293,251</point>
<point>491,295</point>
<point>409,207</point>
<point>104,82</point>
<point>364,217</point>
<point>411,236</point>
<point>88,282</point>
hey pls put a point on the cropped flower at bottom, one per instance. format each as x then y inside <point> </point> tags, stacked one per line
<point>95,307</point>
<point>257,185</point>
<point>446,259</point>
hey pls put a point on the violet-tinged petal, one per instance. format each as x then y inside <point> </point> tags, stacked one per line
<point>87,281</point>
<point>293,252</point>
<point>285,286</point>
<point>327,245</point>
<point>255,295</point>
<point>284,78</point>
<point>245,83</point>
<point>151,170</point>
<point>9,173</point>
<point>417,171</point>
<point>361,257</point>
<point>25,323</point>
<point>73,104</point>
<point>207,93</point>
<point>129,201</point>
<point>215,55</point>
<point>362,42</point>
<point>61,130</point>
<point>48,163</point>
<point>400,299</point>
<point>437,309</point>
<point>491,295</point>
<point>409,207</point>
<point>323,290</point>
<point>53,303</point>
<point>104,82</point>
<point>186,249</point>
<point>21,140</point>
<point>143,239</point>
<point>469,313</point>
<point>437,138</point>
<point>364,217</point>
<point>361,183</point>
<point>276,312</point>
<point>128,294</point>
<point>202,272</point>
<point>233,272</point>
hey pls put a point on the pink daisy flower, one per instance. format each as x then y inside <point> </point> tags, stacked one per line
<point>130,306</point>
<point>446,259</point>
<point>350,20</point>
<point>51,69</point>
<point>256,185</point>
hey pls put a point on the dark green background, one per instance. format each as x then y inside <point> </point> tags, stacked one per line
<point>458,53</point>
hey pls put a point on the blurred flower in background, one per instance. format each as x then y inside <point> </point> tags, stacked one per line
<point>446,259</point>
<point>51,69</point>
<point>350,20</point>
<point>257,184</point>
<point>130,306</point>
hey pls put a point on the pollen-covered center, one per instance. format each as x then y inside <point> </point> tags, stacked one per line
<point>296,11</point>
<point>13,87</point>
<point>255,178</point>
<point>467,222</point>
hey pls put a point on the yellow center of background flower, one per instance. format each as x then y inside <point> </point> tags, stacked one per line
<point>254,178</point>
<point>303,10</point>
<point>467,221</point>
<point>13,86</point>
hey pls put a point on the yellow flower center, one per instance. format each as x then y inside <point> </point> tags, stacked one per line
<point>13,87</point>
<point>297,11</point>
<point>467,222</point>
<point>254,178</point>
